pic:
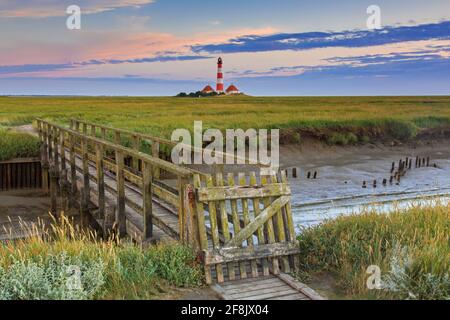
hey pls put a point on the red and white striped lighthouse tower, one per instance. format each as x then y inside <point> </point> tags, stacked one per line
<point>219,87</point>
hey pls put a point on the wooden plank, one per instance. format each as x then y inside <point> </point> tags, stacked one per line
<point>147,200</point>
<point>248,280</point>
<point>214,229</point>
<point>155,154</point>
<point>263,217</point>
<point>100,180</point>
<point>243,192</point>
<point>257,288</point>
<point>290,224</point>
<point>269,223</point>
<point>264,294</point>
<point>135,144</point>
<point>246,217</point>
<point>281,235</point>
<point>303,288</point>
<point>257,212</point>
<point>202,228</point>
<point>256,283</point>
<point>166,195</point>
<point>224,225</point>
<point>261,251</point>
<point>120,183</point>
<point>236,222</point>
<point>295,296</point>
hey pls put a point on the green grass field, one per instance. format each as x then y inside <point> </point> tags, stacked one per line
<point>365,117</point>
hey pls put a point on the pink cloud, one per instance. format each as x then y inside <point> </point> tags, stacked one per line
<point>54,8</point>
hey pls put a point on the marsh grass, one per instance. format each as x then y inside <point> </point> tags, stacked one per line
<point>368,117</point>
<point>110,269</point>
<point>17,145</point>
<point>411,247</point>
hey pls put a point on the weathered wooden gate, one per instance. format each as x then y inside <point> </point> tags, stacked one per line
<point>245,228</point>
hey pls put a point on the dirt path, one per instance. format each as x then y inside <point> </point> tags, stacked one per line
<point>28,128</point>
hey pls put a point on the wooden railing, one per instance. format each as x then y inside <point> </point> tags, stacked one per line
<point>122,136</point>
<point>65,146</point>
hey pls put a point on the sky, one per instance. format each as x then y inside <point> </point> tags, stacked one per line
<point>269,48</point>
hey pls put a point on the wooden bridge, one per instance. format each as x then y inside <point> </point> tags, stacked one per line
<point>240,225</point>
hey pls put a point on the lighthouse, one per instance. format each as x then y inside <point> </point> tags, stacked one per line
<point>219,88</point>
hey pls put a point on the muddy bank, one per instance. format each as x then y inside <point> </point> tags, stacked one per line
<point>342,170</point>
<point>19,210</point>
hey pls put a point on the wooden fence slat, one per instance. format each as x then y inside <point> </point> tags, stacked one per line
<point>261,237</point>
<point>147,201</point>
<point>281,231</point>
<point>120,182</point>
<point>135,145</point>
<point>243,192</point>
<point>236,223</point>
<point>214,229</point>
<point>290,224</point>
<point>155,153</point>
<point>202,228</point>
<point>225,227</point>
<point>100,181</point>
<point>270,230</point>
<point>246,217</point>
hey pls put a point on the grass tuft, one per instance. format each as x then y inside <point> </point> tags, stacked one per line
<point>42,266</point>
<point>17,145</point>
<point>411,248</point>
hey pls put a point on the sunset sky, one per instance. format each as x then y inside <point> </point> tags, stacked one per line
<point>284,47</point>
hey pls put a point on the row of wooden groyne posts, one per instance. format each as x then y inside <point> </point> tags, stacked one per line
<point>240,225</point>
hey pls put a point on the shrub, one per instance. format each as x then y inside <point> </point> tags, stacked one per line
<point>59,277</point>
<point>342,138</point>
<point>401,130</point>
<point>37,267</point>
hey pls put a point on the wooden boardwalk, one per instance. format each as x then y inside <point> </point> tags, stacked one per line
<point>281,287</point>
<point>240,226</point>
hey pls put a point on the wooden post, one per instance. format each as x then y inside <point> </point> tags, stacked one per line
<point>120,179</point>
<point>44,166</point>
<point>62,151</point>
<point>54,190</point>
<point>155,153</point>
<point>73,172</point>
<point>86,184</point>
<point>49,141</point>
<point>135,161</point>
<point>294,172</point>
<point>181,185</point>
<point>147,200</point>
<point>117,139</point>
<point>100,180</point>
<point>103,133</point>
<point>203,240</point>
<point>64,186</point>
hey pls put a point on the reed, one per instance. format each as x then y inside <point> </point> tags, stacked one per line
<point>110,268</point>
<point>17,145</point>
<point>411,247</point>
